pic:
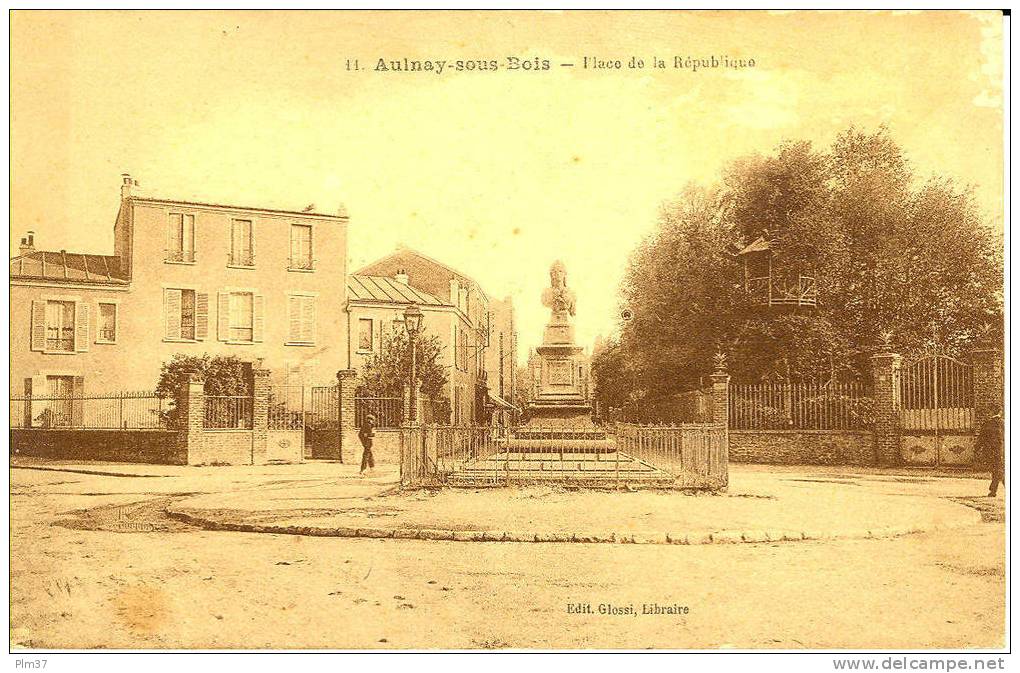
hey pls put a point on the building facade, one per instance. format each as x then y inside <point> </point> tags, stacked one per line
<point>471,327</point>
<point>185,277</point>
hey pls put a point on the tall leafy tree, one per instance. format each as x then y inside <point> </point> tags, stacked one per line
<point>893,258</point>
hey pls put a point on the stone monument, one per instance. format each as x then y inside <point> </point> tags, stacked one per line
<point>560,370</point>
<point>559,413</point>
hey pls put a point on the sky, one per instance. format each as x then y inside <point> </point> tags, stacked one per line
<point>495,173</point>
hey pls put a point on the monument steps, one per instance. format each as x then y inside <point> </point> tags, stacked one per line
<point>573,468</point>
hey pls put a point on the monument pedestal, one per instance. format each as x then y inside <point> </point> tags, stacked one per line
<point>559,414</point>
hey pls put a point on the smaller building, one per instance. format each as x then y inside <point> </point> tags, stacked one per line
<point>770,283</point>
<point>478,334</point>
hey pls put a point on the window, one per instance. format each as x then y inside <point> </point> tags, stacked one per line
<point>187,314</point>
<point>60,326</point>
<point>241,316</point>
<point>365,335</point>
<point>301,310</point>
<point>241,243</point>
<point>300,246</point>
<point>180,238</point>
<point>106,330</point>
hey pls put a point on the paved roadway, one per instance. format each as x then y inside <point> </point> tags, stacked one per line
<point>94,565</point>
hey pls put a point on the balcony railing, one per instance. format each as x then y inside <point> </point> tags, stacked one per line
<point>184,256</point>
<point>241,259</point>
<point>778,291</point>
<point>302,264</point>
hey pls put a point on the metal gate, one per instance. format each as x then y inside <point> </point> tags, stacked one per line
<point>936,404</point>
<point>286,432</point>
<point>304,422</point>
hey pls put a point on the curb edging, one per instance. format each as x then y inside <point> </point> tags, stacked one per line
<point>686,539</point>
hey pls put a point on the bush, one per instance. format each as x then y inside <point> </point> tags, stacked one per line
<point>224,375</point>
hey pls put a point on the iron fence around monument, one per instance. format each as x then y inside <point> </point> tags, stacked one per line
<point>687,456</point>
<point>696,454</point>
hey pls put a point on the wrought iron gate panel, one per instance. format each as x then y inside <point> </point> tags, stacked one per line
<point>936,406</point>
<point>286,424</point>
<point>322,423</point>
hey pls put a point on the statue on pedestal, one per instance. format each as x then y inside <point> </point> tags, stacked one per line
<point>558,296</point>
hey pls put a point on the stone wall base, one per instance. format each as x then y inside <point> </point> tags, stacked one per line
<point>802,447</point>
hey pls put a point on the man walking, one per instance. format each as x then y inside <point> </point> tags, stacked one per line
<point>365,433</point>
<point>990,442</point>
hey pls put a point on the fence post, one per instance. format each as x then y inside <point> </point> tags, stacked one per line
<point>345,380</point>
<point>259,414</point>
<point>885,373</point>
<point>988,384</point>
<point>190,406</point>
<point>721,419</point>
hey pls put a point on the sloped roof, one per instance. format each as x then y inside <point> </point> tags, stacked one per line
<point>385,289</point>
<point>74,267</point>
<point>206,204</point>
<point>758,245</point>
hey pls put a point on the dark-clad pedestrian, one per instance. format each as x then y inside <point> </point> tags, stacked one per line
<point>365,433</point>
<point>991,444</point>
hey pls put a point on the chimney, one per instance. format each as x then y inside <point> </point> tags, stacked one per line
<point>125,187</point>
<point>28,244</point>
<point>401,276</point>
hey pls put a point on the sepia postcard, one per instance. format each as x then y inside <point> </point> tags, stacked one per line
<point>509,331</point>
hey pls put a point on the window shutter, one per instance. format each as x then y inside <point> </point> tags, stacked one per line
<point>172,311</point>
<point>258,317</point>
<point>81,326</point>
<point>201,315</point>
<point>294,319</point>
<point>223,316</point>
<point>38,325</point>
<point>308,319</point>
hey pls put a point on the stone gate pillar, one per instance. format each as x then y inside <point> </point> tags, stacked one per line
<point>346,381</point>
<point>259,414</point>
<point>885,374</point>
<point>721,398</point>
<point>721,419</point>
<point>190,407</point>
<point>988,384</point>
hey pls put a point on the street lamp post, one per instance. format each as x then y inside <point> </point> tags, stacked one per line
<point>412,323</point>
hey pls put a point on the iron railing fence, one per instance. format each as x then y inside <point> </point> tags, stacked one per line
<point>120,410</point>
<point>388,411</point>
<point>435,411</point>
<point>429,454</point>
<point>696,454</point>
<point>228,412</point>
<point>801,406</point>
<point>687,456</point>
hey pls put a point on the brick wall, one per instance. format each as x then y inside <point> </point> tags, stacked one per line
<point>802,447</point>
<point>385,447</point>
<point>159,447</point>
<point>222,447</point>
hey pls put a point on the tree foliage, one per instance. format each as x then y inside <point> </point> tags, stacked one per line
<point>891,255</point>
<point>223,374</point>
<point>386,373</point>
